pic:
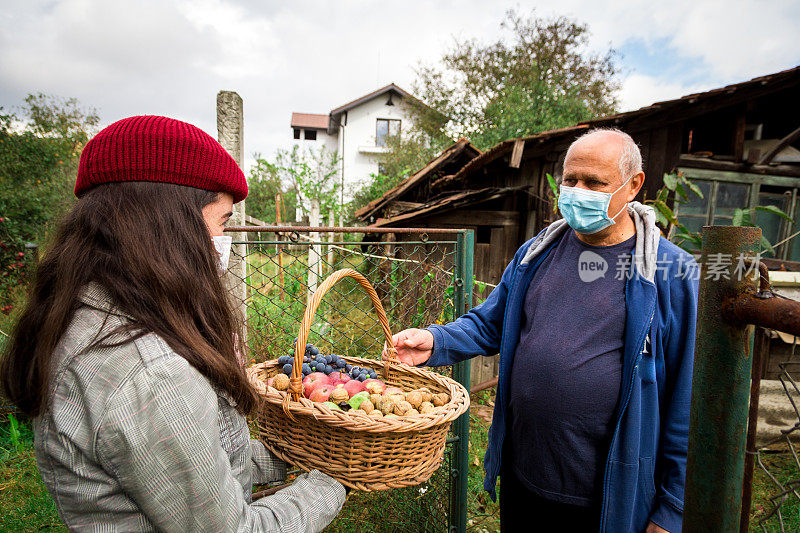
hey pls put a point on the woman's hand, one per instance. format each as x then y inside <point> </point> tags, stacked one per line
<point>414,346</point>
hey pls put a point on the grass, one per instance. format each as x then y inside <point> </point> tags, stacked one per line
<point>784,468</point>
<point>25,504</point>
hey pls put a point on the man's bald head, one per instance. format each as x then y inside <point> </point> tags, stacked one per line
<point>610,142</point>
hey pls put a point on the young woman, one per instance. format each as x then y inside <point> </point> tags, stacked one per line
<point>126,354</point>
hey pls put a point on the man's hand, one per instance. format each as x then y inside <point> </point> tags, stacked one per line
<point>652,528</point>
<point>414,346</point>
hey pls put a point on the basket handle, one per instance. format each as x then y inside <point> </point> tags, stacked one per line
<point>295,380</point>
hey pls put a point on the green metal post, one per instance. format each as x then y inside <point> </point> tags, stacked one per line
<point>720,387</point>
<point>462,301</point>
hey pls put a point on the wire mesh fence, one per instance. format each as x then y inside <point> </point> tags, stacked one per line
<point>415,274</point>
<point>776,487</point>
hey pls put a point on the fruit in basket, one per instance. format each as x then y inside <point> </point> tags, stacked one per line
<point>427,395</point>
<point>331,405</point>
<point>414,398</point>
<point>306,369</point>
<point>321,393</point>
<point>376,414</point>
<point>367,406</point>
<point>426,407</point>
<point>391,415</point>
<point>440,399</point>
<point>374,386</point>
<point>339,395</point>
<point>339,377</point>
<point>387,405</point>
<point>390,391</point>
<point>353,387</point>
<point>287,368</point>
<point>281,382</point>
<point>375,399</point>
<point>402,407</point>
<point>356,401</point>
<point>312,381</point>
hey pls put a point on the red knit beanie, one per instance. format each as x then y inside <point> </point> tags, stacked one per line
<point>152,148</point>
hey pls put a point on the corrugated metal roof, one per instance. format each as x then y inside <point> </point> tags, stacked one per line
<point>310,120</point>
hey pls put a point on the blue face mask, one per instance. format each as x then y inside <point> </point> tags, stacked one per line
<point>586,211</point>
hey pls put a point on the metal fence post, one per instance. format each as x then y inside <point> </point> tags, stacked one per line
<point>462,301</point>
<point>720,387</point>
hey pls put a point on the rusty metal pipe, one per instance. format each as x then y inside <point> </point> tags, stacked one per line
<point>720,390</point>
<point>771,313</point>
<point>760,351</point>
<point>488,384</point>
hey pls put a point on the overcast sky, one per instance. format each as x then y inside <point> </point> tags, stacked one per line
<point>171,57</point>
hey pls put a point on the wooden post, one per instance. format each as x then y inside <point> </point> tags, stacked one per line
<point>230,131</point>
<point>331,239</point>
<point>278,220</point>
<point>313,249</point>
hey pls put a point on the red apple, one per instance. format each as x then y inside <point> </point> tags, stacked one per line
<point>339,377</point>
<point>353,387</point>
<point>374,386</point>
<point>312,381</point>
<point>321,393</point>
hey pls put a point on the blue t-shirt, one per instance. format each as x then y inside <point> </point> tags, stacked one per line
<point>567,369</point>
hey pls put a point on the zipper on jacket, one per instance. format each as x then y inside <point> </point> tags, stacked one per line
<point>619,418</point>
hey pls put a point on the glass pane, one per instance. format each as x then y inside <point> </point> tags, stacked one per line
<point>723,221</point>
<point>794,253</point>
<point>731,196</point>
<point>696,205</point>
<point>394,127</point>
<point>771,224</point>
<point>693,223</point>
<point>382,132</point>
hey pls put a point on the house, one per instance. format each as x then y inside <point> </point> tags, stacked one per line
<point>357,131</point>
<point>740,145</point>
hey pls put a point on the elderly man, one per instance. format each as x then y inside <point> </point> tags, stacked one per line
<point>594,322</point>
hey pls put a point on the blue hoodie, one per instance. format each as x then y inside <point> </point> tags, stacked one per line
<point>646,465</point>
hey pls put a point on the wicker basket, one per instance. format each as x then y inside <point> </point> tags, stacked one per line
<point>362,452</point>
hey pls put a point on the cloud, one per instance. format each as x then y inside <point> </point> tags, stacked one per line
<point>171,57</point>
<point>640,90</point>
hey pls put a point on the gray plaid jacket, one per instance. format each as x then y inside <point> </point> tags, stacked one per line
<point>135,439</point>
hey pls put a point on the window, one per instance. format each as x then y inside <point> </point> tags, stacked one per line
<point>386,128</point>
<point>311,135</point>
<point>296,133</point>
<point>724,192</point>
<point>483,235</point>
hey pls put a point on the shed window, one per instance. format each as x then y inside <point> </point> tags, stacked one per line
<point>296,133</point>
<point>311,135</point>
<point>483,235</point>
<point>724,192</point>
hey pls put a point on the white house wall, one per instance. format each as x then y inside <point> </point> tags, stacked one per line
<point>359,138</point>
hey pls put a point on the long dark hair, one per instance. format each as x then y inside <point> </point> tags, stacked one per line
<point>148,246</point>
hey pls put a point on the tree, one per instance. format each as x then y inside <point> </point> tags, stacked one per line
<point>542,78</point>
<point>39,152</point>
<point>300,177</point>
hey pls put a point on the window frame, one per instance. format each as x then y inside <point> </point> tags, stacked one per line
<point>388,129</point>
<point>754,181</point>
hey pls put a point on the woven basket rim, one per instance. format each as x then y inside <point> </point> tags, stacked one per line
<point>458,404</point>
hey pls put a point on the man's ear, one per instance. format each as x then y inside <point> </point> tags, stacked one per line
<point>636,183</point>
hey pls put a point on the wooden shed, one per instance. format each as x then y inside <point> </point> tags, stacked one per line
<point>740,144</point>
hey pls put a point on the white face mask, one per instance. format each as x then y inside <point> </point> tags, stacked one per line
<point>223,246</point>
